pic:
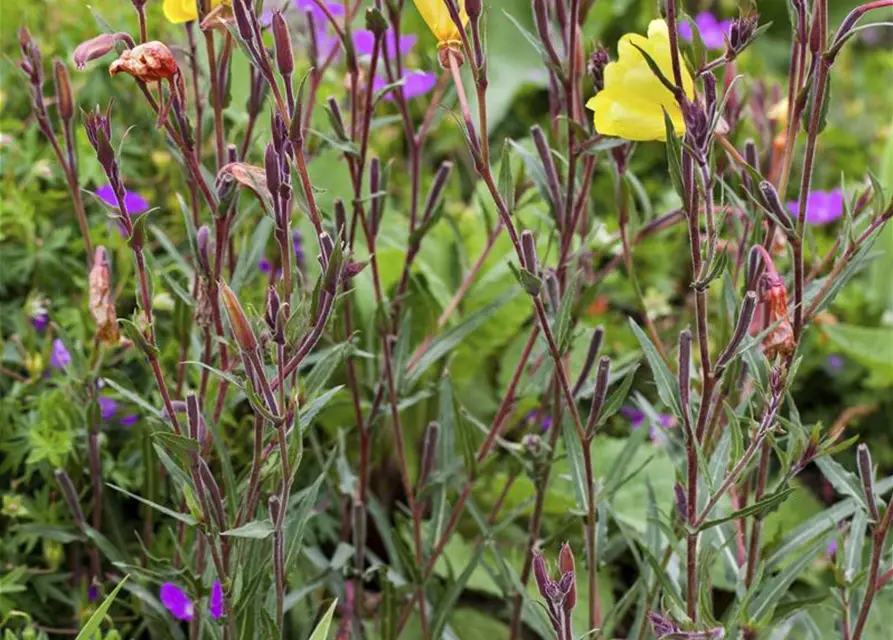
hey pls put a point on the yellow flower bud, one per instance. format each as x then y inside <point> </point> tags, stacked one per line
<point>178,11</point>
<point>632,104</point>
<point>437,17</point>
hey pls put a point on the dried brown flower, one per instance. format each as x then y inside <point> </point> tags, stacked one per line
<point>102,306</point>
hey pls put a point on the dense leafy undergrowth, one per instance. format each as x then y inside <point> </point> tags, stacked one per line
<point>343,321</point>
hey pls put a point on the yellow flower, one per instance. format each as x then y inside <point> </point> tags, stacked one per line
<point>779,113</point>
<point>438,19</point>
<point>178,11</point>
<point>633,102</point>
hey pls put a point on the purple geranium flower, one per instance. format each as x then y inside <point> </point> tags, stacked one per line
<point>177,601</point>
<point>107,407</point>
<point>216,604</point>
<point>713,31</point>
<point>415,83</point>
<point>822,207</point>
<point>134,202</point>
<point>834,363</point>
<point>59,357</point>
<point>637,419</point>
<point>831,548</point>
<point>129,420</point>
<point>92,593</point>
<point>265,265</point>
<point>364,41</point>
<point>40,320</point>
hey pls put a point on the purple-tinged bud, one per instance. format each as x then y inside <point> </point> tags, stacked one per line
<point>595,345</point>
<point>313,44</point>
<point>437,187</point>
<point>660,625</point>
<point>202,244</point>
<point>473,9</point>
<point>748,307</point>
<point>541,574</point>
<point>751,154</point>
<point>774,205</point>
<point>866,474</point>
<point>273,316</point>
<point>274,504</point>
<point>336,119</point>
<point>242,14</point>
<point>710,102</point>
<point>212,494</point>
<point>194,417</point>
<point>64,98</point>
<point>741,32</point>
<point>545,155</point>
<point>70,496</point>
<point>272,169</point>
<point>599,393</point>
<point>681,501</point>
<point>99,131</point>
<point>340,219</point>
<point>566,566</point>
<point>429,453</point>
<point>238,321</point>
<point>282,40</point>
<point>326,247</point>
<point>596,64</point>
<point>528,252</point>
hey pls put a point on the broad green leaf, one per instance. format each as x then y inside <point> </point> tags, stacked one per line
<point>667,385</point>
<point>256,529</point>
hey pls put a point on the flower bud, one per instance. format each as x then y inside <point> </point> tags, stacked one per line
<point>70,496</point>
<point>866,474</point>
<point>151,61</point>
<point>202,241</point>
<point>99,131</point>
<point>541,574</point>
<point>741,32</point>
<point>599,393</point>
<point>598,60</point>
<point>566,566</point>
<point>282,40</point>
<point>437,187</point>
<point>748,307</point>
<point>95,48</point>
<point>553,290</point>
<point>774,205</point>
<point>212,494</point>
<point>376,22</point>
<point>238,321</point>
<point>681,501</point>
<point>274,504</point>
<point>429,453</point>
<point>544,31</point>
<point>272,169</point>
<point>528,252</point>
<point>341,218</point>
<point>273,316</point>
<point>660,625</point>
<point>64,98</point>
<point>595,345</point>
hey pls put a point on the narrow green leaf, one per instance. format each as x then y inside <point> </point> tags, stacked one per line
<point>765,504</point>
<point>182,517</point>
<point>256,529</point>
<point>769,595</point>
<point>322,629</point>
<point>448,601</point>
<point>574,450</point>
<point>92,626</point>
<point>667,386</point>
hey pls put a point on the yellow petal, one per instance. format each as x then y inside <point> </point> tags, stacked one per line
<point>178,11</point>
<point>632,118</point>
<point>436,16</point>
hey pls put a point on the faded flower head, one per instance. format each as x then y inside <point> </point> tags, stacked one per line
<point>822,207</point>
<point>96,48</point>
<point>779,341</point>
<point>148,62</point>
<point>102,307</point>
<point>633,101</point>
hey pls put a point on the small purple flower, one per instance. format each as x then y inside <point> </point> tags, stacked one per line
<point>834,363</point>
<point>415,83</point>
<point>334,8</point>
<point>176,601</point>
<point>216,604</point>
<point>134,202</point>
<point>129,420</point>
<point>59,357</point>
<point>364,42</point>
<point>637,419</point>
<point>632,414</point>
<point>713,31</point>
<point>831,549</point>
<point>40,321</point>
<point>822,207</point>
<point>265,265</point>
<point>107,407</point>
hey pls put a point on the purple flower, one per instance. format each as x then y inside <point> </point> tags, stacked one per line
<point>713,31</point>
<point>415,83</point>
<point>265,265</point>
<point>364,42</point>
<point>107,407</point>
<point>832,548</point>
<point>59,357</point>
<point>637,419</point>
<point>216,604</point>
<point>134,202</point>
<point>40,320</point>
<point>92,593</point>
<point>176,601</point>
<point>822,207</point>
<point>334,8</point>
<point>129,420</point>
<point>632,414</point>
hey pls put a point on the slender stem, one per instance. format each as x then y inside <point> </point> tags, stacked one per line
<point>591,539</point>
<point>878,539</point>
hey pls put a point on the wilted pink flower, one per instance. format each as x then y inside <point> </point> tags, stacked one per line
<point>97,47</point>
<point>149,62</point>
